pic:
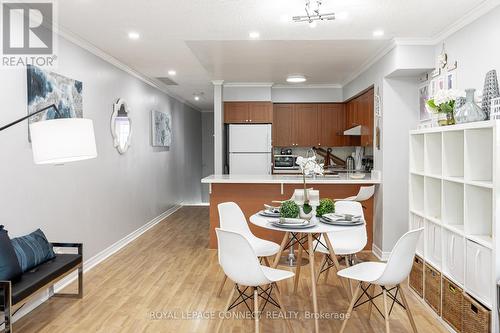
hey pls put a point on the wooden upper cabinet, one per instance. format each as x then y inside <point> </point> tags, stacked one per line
<point>332,118</point>
<point>260,112</point>
<point>306,125</point>
<point>360,112</point>
<point>248,112</point>
<point>283,125</point>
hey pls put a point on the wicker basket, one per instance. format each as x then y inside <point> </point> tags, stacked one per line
<point>453,300</point>
<point>476,317</point>
<point>417,276</point>
<point>432,293</point>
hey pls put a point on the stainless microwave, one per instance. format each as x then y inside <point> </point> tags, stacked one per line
<point>285,162</point>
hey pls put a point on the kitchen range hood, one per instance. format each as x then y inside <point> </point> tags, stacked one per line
<point>356,130</point>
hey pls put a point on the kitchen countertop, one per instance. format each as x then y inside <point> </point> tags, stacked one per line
<point>342,178</point>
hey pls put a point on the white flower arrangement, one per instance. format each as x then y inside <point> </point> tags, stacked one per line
<point>444,100</point>
<point>309,166</point>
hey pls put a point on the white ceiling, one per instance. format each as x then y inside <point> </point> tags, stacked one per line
<point>205,40</point>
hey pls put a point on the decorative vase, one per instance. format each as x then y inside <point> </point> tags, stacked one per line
<point>490,91</point>
<point>304,215</point>
<point>470,111</point>
<point>442,119</point>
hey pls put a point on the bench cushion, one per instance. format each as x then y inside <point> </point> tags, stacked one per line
<point>42,275</point>
<point>9,266</point>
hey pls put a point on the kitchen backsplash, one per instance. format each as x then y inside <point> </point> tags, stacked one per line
<point>341,152</point>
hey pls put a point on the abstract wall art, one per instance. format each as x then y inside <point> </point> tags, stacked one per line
<point>161,125</point>
<point>46,88</point>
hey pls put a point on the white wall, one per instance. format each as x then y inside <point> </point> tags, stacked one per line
<point>235,93</point>
<point>476,48</point>
<point>97,202</point>
<point>306,95</point>
<point>207,150</point>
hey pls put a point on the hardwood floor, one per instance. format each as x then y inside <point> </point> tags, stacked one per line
<point>169,271</point>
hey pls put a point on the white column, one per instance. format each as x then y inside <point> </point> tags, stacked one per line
<point>218,127</point>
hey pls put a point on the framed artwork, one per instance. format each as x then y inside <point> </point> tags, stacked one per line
<point>451,80</point>
<point>423,95</point>
<point>161,129</point>
<point>432,88</point>
<point>46,88</point>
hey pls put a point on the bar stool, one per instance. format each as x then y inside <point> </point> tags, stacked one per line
<point>346,243</point>
<point>240,263</point>
<point>233,219</point>
<point>365,193</point>
<point>386,275</point>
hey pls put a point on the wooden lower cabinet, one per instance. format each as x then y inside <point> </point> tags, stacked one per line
<point>252,197</point>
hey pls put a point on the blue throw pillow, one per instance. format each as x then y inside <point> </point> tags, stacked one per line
<point>9,266</point>
<point>32,250</point>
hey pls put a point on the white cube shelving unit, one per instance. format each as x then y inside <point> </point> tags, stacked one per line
<point>454,176</point>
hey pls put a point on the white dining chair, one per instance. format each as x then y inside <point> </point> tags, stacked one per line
<point>345,243</point>
<point>233,219</point>
<point>365,193</point>
<point>241,264</point>
<point>386,275</point>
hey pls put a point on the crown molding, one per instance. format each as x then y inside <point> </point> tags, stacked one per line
<point>471,16</point>
<point>249,84</point>
<point>370,62</point>
<point>86,45</point>
<point>217,82</point>
<point>308,86</point>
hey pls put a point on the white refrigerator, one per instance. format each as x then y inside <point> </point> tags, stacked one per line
<point>250,149</point>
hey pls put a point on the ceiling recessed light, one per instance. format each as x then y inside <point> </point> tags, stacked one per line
<point>172,72</point>
<point>378,33</point>
<point>133,35</point>
<point>296,78</point>
<point>254,35</point>
<point>196,97</point>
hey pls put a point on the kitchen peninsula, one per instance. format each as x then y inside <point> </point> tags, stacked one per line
<point>251,192</point>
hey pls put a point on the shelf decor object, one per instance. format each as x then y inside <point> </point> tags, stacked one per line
<point>61,140</point>
<point>495,109</point>
<point>453,194</point>
<point>470,111</point>
<point>490,91</point>
<point>443,103</point>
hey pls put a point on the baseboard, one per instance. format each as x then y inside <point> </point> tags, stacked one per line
<point>199,204</point>
<point>94,261</point>
<point>381,255</point>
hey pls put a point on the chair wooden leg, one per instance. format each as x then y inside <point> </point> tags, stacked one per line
<point>266,262</point>
<point>347,264</point>
<point>408,311</point>
<point>320,268</point>
<point>371,291</point>
<point>386,311</point>
<point>228,303</point>
<point>313,281</point>
<point>282,307</point>
<point>336,263</point>
<point>219,291</point>
<point>282,246</point>
<point>297,270</point>
<point>256,309</point>
<point>327,272</point>
<point>351,306</point>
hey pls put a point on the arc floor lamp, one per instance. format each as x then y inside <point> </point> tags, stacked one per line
<point>61,140</point>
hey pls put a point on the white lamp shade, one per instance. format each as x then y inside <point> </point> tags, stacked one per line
<point>60,141</point>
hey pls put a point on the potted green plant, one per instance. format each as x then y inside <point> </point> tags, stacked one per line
<point>443,103</point>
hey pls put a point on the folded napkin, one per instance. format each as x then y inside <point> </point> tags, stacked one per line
<point>335,217</point>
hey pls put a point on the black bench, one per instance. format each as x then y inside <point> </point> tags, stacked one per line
<point>16,294</point>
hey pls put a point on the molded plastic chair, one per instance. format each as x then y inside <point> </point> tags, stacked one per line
<point>233,219</point>
<point>389,274</point>
<point>365,193</point>
<point>240,263</point>
<point>346,243</point>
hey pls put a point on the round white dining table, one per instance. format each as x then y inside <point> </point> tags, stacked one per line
<point>312,233</point>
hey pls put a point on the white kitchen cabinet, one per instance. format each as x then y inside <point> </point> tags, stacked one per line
<point>478,272</point>
<point>453,256</point>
